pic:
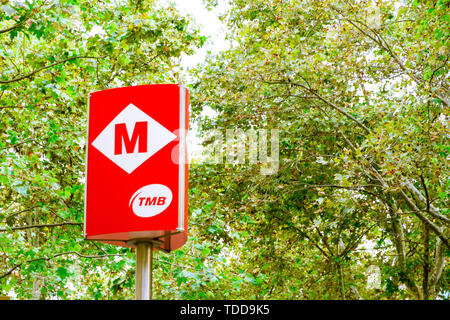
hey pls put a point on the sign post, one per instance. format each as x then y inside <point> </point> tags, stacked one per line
<point>137,172</point>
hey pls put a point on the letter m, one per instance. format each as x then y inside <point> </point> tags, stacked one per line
<point>139,133</point>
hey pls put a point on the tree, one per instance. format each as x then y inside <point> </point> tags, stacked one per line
<point>360,94</point>
<point>52,54</point>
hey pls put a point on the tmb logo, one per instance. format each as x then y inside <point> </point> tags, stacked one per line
<point>131,138</point>
<point>150,200</point>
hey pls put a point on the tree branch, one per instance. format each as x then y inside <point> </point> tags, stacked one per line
<point>303,234</point>
<point>438,267</point>
<point>19,212</point>
<point>17,25</point>
<point>430,208</point>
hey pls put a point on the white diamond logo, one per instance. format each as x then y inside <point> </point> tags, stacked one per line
<point>132,138</point>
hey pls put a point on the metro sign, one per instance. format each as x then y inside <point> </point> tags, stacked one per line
<point>136,184</point>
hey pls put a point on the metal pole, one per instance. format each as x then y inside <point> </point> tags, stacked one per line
<point>144,270</point>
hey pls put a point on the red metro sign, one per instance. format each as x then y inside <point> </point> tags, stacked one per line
<point>136,168</point>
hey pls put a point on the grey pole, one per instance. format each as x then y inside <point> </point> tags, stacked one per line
<point>144,270</point>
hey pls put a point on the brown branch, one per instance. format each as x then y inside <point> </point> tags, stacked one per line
<point>426,262</point>
<point>18,144</point>
<point>303,234</point>
<point>352,245</point>
<point>426,192</point>
<point>17,25</point>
